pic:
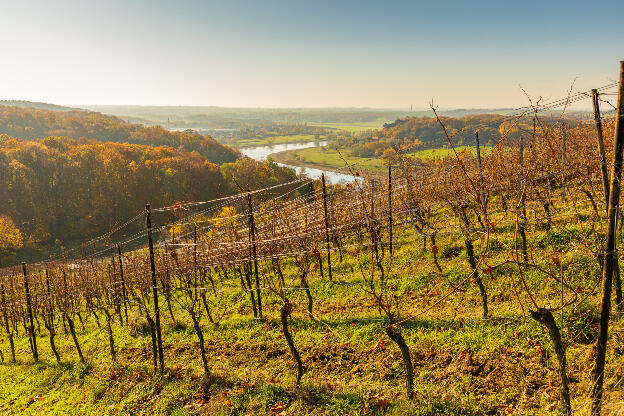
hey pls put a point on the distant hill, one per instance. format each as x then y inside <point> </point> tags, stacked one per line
<point>464,112</point>
<point>199,116</point>
<point>412,133</point>
<point>32,123</point>
<point>37,105</point>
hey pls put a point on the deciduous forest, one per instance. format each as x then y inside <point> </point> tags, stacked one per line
<point>77,174</point>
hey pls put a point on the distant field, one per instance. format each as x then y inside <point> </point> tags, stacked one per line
<point>323,157</point>
<point>352,127</point>
<point>293,138</point>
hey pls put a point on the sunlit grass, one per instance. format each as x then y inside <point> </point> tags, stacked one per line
<point>327,158</point>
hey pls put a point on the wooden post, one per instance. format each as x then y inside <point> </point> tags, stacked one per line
<point>337,242</point>
<point>6,322</point>
<point>481,182</point>
<point>563,163</point>
<point>167,283</point>
<point>329,266</point>
<point>601,148</point>
<point>372,201</point>
<point>390,221</point>
<point>607,270</point>
<point>50,313</point>
<point>31,329</point>
<point>605,185</point>
<point>114,285</point>
<point>522,213</point>
<point>148,219</point>
<point>373,228</point>
<point>195,252</point>
<point>123,283</point>
<point>254,254</point>
<point>616,267</point>
<point>173,227</point>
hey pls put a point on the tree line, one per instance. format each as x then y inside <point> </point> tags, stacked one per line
<point>412,133</point>
<point>59,190</point>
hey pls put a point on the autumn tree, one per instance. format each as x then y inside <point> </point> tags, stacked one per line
<point>11,239</point>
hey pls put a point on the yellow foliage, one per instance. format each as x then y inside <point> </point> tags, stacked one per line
<point>11,237</point>
<point>226,219</point>
<point>177,230</point>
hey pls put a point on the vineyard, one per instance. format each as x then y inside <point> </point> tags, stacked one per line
<point>347,297</point>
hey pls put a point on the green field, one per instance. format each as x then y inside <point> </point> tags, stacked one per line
<point>330,159</point>
<point>326,158</point>
<point>266,141</point>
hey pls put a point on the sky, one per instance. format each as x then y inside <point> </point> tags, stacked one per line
<point>315,53</point>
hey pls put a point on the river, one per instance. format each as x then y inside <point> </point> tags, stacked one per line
<point>262,152</point>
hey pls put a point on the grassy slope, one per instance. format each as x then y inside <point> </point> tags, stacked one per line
<point>463,365</point>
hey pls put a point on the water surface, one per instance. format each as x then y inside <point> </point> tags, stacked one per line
<point>262,152</point>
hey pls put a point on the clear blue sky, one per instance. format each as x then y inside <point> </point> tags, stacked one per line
<point>292,53</point>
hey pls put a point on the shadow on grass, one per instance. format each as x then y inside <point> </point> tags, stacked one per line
<point>365,320</point>
<point>313,398</point>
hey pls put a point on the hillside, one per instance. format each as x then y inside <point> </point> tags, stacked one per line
<point>414,133</point>
<point>32,123</point>
<point>348,300</point>
<point>59,192</point>
<point>411,134</point>
<point>464,366</point>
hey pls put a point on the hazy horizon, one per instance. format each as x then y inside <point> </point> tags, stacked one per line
<point>582,106</point>
<point>282,54</point>
<point>362,108</point>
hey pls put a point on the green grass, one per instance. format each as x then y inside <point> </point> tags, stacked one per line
<point>463,365</point>
<point>324,157</point>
